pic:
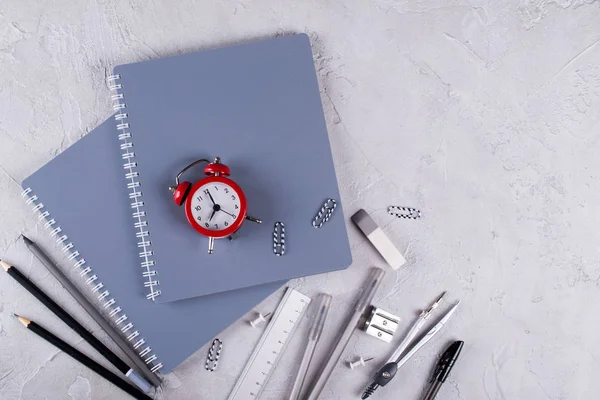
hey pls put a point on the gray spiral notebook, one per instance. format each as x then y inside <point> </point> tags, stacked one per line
<point>81,196</point>
<point>258,107</point>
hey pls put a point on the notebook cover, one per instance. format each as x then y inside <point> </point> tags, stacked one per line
<point>258,107</point>
<point>83,190</point>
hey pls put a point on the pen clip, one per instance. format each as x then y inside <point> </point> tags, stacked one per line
<point>446,362</point>
<point>437,372</point>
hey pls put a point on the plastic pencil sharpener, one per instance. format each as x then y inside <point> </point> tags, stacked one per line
<point>381,324</point>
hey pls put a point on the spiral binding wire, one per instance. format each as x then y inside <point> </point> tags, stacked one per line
<point>135,194</point>
<point>85,271</point>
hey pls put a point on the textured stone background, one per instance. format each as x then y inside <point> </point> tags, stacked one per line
<point>482,113</point>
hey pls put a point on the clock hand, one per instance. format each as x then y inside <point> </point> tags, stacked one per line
<point>209,195</point>
<point>227,213</point>
<point>212,215</point>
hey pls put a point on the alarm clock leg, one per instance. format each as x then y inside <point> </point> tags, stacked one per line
<point>211,244</point>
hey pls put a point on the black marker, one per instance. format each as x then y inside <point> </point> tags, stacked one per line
<point>443,368</point>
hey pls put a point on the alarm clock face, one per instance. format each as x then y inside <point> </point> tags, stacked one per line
<point>216,207</point>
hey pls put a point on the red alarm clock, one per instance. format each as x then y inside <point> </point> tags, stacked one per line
<point>215,206</point>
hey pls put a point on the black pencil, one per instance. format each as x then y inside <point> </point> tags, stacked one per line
<point>82,358</point>
<point>66,318</point>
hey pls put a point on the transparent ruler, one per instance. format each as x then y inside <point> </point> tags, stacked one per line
<point>271,346</point>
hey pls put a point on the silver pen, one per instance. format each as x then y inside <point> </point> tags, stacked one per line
<point>319,317</point>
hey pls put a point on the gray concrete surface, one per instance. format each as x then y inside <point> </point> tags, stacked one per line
<point>482,113</point>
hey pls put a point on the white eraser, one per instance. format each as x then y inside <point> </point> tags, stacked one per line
<point>379,239</point>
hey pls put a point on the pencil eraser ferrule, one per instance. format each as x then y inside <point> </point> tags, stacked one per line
<point>138,381</point>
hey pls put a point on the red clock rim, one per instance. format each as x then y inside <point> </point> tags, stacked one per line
<point>234,226</point>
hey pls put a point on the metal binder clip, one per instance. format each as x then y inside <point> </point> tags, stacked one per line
<point>212,359</point>
<point>279,239</point>
<point>381,324</point>
<point>404,212</point>
<point>324,213</point>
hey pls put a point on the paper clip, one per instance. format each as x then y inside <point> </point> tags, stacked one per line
<point>279,239</point>
<point>212,359</point>
<point>404,212</point>
<point>324,213</point>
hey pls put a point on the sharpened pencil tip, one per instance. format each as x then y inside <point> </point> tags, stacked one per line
<point>5,265</point>
<point>23,320</point>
